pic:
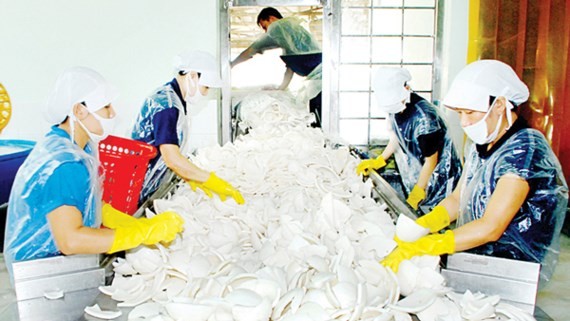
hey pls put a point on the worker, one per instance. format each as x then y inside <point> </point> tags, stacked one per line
<point>426,157</point>
<point>302,55</point>
<point>512,196</point>
<point>55,203</point>
<point>162,122</point>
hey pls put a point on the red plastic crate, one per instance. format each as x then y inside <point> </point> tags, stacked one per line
<point>124,163</point>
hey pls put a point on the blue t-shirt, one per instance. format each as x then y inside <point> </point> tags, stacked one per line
<point>157,122</point>
<point>52,176</point>
<point>160,121</point>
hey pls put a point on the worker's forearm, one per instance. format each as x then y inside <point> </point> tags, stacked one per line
<point>243,56</point>
<point>181,165</point>
<point>507,198</point>
<point>427,169</point>
<point>474,234</point>
<point>71,237</point>
<point>187,170</point>
<point>86,240</point>
<point>391,147</point>
<point>286,79</point>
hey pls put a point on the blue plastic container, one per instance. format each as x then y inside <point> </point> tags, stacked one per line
<point>13,152</point>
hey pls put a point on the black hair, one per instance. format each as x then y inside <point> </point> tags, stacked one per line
<point>268,12</point>
<point>492,100</point>
<point>184,72</point>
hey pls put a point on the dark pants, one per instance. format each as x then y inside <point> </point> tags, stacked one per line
<point>3,213</point>
<point>315,107</point>
<point>566,226</point>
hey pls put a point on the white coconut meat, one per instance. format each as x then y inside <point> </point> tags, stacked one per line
<point>306,245</point>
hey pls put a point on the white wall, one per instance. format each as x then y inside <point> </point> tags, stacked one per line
<point>130,42</point>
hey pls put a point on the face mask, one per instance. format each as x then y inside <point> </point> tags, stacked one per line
<point>478,131</point>
<point>107,125</point>
<point>396,108</point>
<point>409,95</point>
<point>193,100</point>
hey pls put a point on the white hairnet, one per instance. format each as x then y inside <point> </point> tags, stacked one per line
<point>76,85</point>
<point>202,62</point>
<point>474,84</point>
<point>388,85</point>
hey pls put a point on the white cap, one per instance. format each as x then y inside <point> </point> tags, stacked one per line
<point>388,85</point>
<point>202,62</point>
<point>76,85</point>
<point>474,84</point>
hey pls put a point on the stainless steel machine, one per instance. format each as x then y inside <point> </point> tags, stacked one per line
<point>79,276</point>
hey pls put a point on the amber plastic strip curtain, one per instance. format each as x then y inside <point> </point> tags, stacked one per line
<point>533,37</point>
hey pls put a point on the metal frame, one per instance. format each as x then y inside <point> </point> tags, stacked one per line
<point>224,110</point>
<point>331,20</point>
<point>331,58</point>
<point>332,11</point>
<point>280,3</point>
<point>391,198</point>
<point>437,90</point>
<point>435,64</point>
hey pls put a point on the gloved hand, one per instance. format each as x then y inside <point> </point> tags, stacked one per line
<point>369,164</point>
<point>113,218</point>
<point>160,228</point>
<point>194,185</point>
<point>433,244</point>
<point>435,220</point>
<point>220,187</point>
<point>416,196</point>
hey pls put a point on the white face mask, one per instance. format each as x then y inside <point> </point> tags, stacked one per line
<point>396,108</point>
<point>478,131</point>
<point>409,96</point>
<point>107,125</point>
<point>197,97</point>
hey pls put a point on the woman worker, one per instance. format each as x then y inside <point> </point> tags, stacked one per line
<point>424,152</point>
<point>55,203</point>
<point>162,122</point>
<point>512,196</point>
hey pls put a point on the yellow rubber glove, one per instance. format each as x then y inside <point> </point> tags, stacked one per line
<point>370,164</point>
<point>113,218</point>
<point>194,185</point>
<point>160,228</point>
<point>220,187</point>
<point>435,220</point>
<point>433,244</point>
<point>416,196</point>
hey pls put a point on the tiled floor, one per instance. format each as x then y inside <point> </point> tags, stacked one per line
<point>553,299</point>
<point>7,295</point>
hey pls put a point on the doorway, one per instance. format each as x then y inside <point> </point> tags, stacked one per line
<point>239,29</point>
<point>357,36</point>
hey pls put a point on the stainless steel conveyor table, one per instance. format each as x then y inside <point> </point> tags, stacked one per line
<point>72,305</point>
